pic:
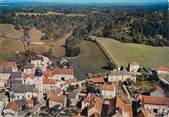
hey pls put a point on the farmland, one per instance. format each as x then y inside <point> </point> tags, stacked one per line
<point>123,53</point>
<point>11,41</point>
<point>90,60</point>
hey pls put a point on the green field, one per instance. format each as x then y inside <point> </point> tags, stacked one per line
<point>90,60</point>
<point>123,53</point>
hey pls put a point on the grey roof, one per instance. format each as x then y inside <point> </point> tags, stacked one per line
<point>16,75</point>
<point>5,69</point>
<point>21,102</point>
<point>120,73</point>
<point>14,82</point>
<point>22,88</point>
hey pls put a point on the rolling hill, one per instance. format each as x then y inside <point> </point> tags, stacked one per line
<point>124,53</point>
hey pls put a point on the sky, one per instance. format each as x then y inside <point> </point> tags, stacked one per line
<point>89,1</point>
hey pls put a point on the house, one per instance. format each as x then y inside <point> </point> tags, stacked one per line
<point>48,74</point>
<point>11,83</point>
<point>98,80</point>
<point>29,79</point>
<point>22,91</point>
<point>18,107</point>
<point>124,108</point>
<point>142,112</point>
<point>36,60</point>
<point>155,104</point>
<point>63,73</point>
<point>16,75</point>
<point>5,73</point>
<point>95,107</point>
<point>116,76</point>
<point>35,79</point>
<point>134,66</point>
<point>10,64</point>
<point>74,97</point>
<point>93,103</point>
<point>29,103</point>
<point>61,84</point>
<point>12,109</point>
<point>108,91</point>
<point>48,84</point>
<point>56,91</point>
<point>162,70</point>
<point>15,78</point>
<point>57,100</point>
<point>71,81</point>
<point>28,68</point>
<point>157,91</point>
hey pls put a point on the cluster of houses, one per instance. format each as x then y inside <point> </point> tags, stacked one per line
<point>24,91</point>
<point>108,99</point>
<point>25,88</point>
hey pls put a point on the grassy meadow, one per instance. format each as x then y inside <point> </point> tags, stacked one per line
<point>90,60</point>
<point>123,53</point>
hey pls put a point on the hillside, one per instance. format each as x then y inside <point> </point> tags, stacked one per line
<point>91,60</point>
<point>11,41</point>
<point>123,53</point>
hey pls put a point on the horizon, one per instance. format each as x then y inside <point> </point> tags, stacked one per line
<point>88,1</point>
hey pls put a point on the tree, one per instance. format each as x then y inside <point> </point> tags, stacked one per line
<point>49,53</point>
<point>111,66</point>
<point>130,81</point>
<point>90,89</point>
<point>70,88</point>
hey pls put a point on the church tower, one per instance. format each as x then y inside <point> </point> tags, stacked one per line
<point>39,81</point>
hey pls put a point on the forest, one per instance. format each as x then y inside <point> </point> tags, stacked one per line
<point>129,25</point>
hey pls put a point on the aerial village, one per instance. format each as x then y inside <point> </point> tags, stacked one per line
<point>36,90</point>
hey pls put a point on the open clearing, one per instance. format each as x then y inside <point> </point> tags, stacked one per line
<point>90,60</point>
<point>11,42</point>
<point>123,53</point>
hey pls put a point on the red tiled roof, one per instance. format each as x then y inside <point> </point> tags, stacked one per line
<point>163,68</point>
<point>95,102</point>
<point>13,105</point>
<point>57,98</point>
<point>154,100</point>
<point>48,73</point>
<point>107,87</point>
<point>9,64</point>
<point>29,102</point>
<point>31,75</point>
<point>29,65</point>
<point>48,81</point>
<point>97,80</point>
<point>71,81</point>
<point>126,107</point>
<point>63,71</point>
<point>55,91</point>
